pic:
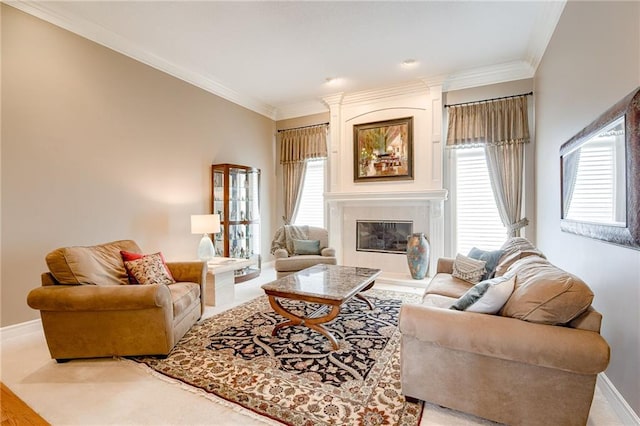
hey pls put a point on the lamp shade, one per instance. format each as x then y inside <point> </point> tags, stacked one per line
<point>205,223</point>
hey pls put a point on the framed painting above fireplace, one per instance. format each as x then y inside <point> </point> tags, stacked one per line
<point>383,150</point>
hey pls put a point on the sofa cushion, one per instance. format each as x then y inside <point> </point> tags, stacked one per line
<point>438,301</point>
<point>468,269</point>
<point>127,255</point>
<point>490,257</point>
<point>98,265</point>
<point>183,296</point>
<point>448,285</point>
<point>149,269</point>
<point>514,249</point>
<point>545,293</point>
<point>306,247</point>
<point>486,297</point>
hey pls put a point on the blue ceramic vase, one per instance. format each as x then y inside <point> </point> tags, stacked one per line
<point>418,255</point>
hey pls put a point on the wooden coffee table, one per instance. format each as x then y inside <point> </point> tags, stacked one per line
<point>329,285</point>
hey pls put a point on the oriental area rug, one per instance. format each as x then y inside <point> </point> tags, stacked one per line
<point>296,377</point>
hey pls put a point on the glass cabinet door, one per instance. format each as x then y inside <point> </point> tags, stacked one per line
<point>236,198</point>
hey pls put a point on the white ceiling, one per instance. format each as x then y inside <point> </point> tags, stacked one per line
<point>274,57</point>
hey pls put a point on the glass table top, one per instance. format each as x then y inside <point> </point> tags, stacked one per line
<point>333,282</point>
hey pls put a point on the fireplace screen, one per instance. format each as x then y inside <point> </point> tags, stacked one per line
<point>383,236</point>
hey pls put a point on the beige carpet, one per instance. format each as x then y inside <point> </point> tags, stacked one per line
<point>115,392</point>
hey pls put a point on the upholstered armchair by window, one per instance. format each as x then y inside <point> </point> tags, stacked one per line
<point>299,247</point>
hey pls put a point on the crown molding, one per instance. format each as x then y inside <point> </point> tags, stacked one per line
<point>113,41</point>
<point>476,77</point>
<point>301,109</point>
<point>409,88</point>
<point>544,28</point>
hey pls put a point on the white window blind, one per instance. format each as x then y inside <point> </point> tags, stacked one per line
<point>594,193</point>
<point>477,221</point>
<point>311,209</point>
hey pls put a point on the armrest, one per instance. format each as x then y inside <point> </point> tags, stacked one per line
<point>99,298</point>
<point>281,253</point>
<point>445,265</point>
<point>569,349</point>
<point>193,272</point>
<point>328,252</point>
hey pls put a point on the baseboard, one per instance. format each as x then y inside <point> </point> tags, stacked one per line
<point>17,330</point>
<point>625,413</point>
<point>402,280</point>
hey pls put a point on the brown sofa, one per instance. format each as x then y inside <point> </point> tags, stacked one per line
<point>288,261</point>
<point>89,309</point>
<point>535,362</point>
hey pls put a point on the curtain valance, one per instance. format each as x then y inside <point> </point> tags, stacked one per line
<point>302,144</point>
<point>494,122</point>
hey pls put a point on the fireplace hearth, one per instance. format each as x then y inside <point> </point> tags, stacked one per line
<point>383,236</point>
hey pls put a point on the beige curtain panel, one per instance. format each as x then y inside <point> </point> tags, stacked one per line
<point>303,144</point>
<point>502,127</point>
<point>495,122</point>
<point>297,146</point>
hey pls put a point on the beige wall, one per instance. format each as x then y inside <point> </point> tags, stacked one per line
<point>97,146</point>
<point>592,61</point>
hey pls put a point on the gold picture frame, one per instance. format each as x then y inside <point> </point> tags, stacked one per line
<point>383,150</point>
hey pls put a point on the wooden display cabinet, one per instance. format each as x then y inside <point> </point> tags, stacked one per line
<point>236,198</point>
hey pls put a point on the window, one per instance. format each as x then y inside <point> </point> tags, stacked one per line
<point>476,219</point>
<point>311,208</point>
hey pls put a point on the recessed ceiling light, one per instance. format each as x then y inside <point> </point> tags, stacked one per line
<point>409,63</point>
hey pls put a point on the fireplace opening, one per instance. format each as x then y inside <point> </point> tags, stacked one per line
<point>383,236</point>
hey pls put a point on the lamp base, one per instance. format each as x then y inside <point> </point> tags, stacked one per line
<point>205,249</point>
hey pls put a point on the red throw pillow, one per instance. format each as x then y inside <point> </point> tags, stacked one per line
<point>128,256</point>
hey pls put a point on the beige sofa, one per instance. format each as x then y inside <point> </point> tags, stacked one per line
<point>288,261</point>
<point>89,309</point>
<point>535,362</point>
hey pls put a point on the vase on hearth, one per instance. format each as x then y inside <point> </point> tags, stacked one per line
<point>418,255</point>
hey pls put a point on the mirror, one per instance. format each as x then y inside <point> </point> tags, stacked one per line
<point>600,176</point>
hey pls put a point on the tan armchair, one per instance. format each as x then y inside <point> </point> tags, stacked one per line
<point>288,259</point>
<point>89,310</point>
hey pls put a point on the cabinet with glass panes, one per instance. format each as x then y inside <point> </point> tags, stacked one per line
<point>236,198</point>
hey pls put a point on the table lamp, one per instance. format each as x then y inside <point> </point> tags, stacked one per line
<point>205,224</point>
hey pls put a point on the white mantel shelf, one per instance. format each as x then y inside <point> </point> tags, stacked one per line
<point>425,195</point>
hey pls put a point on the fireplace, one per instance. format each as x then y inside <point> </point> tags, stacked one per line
<point>383,236</point>
<point>355,216</point>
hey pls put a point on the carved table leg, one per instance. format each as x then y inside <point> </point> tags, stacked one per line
<point>364,298</point>
<point>312,323</point>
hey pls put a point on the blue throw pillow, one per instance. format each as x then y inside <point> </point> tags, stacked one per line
<point>491,259</point>
<point>306,246</point>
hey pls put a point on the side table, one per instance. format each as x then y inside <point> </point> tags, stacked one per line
<point>219,288</point>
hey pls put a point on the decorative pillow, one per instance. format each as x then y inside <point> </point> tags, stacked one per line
<point>306,246</point>
<point>490,257</point>
<point>514,249</point>
<point>149,269</point>
<point>546,294</point>
<point>486,297</point>
<point>467,269</point>
<point>127,255</point>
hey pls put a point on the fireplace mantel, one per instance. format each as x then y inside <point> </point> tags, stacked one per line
<point>423,208</point>
<point>415,196</point>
